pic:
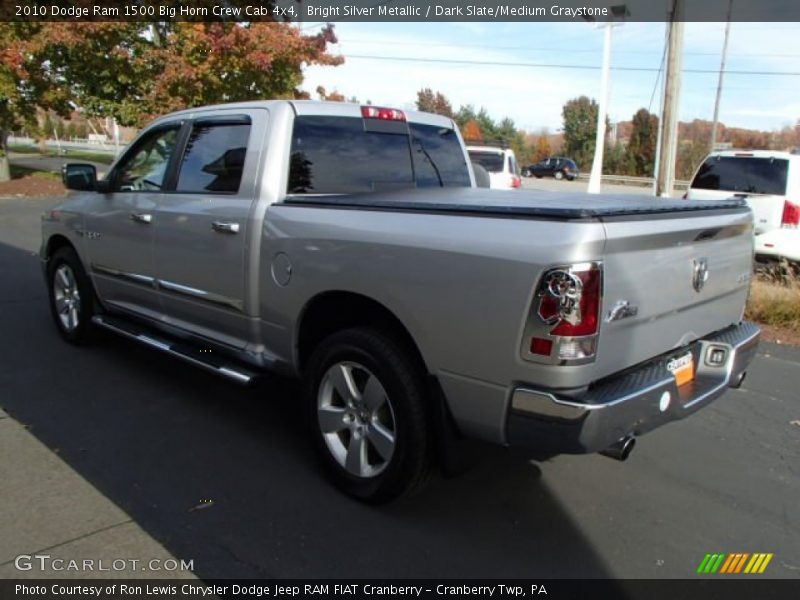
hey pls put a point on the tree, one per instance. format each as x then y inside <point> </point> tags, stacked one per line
<point>334,96</point>
<point>134,71</point>
<point>434,102</point>
<point>541,149</point>
<point>26,84</point>
<point>115,69</point>
<point>640,155</point>
<point>472,131</point>
<point>580,130</point>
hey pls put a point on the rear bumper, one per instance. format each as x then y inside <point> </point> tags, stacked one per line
<point>778,243</point>
<point>631,403</point>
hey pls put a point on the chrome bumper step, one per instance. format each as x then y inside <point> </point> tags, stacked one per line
<point>181,350</point>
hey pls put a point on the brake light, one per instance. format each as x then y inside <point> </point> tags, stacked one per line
<point>584,321</point>
<point>567,307</point>
<point>515,181</point>
<point>791,215</point>
<point>385,114</point>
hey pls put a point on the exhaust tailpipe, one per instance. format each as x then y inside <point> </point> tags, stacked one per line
<point>737,383</point>
<point>621,449</point>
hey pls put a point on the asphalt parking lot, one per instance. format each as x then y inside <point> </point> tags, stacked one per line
<point>160,438</point>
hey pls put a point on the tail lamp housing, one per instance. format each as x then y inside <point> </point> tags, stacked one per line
<point>564,321</point>
<point>791,215</point>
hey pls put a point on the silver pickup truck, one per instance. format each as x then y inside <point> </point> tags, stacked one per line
<point>350,247</point>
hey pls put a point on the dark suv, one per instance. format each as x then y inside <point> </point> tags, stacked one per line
<point>555,166</point>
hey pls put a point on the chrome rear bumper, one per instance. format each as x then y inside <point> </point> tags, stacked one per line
<point>633,402</point>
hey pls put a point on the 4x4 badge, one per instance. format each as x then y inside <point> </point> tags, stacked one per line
<point>699,274</point>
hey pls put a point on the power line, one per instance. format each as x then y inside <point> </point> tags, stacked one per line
<point>557,49</point>
<point>557,66</point>
<point>658,77</point>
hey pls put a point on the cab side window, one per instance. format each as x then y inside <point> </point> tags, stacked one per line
<point>145,168</point>
<point>214,158</point>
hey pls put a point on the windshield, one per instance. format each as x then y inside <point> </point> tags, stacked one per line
<point>743,174</point>
<point>491,161</point>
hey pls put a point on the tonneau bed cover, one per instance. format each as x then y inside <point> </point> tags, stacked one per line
<point>523,203</point>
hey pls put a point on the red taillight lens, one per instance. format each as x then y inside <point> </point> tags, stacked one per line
<point>541,346</point>
<point>566,314</point>
<point>385,114</point>
<point>589,305</point>
<point>791,215</point>
<point>515,181</point>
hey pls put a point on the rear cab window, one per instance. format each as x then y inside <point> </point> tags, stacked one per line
<point>746,174</point>
<point>346,155</point>
<point>491,161</point>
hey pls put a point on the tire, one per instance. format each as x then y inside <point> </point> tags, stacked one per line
<point>537,176</point>
<point>71,296</point>
<point>373,443</point>
<point>559,175</point>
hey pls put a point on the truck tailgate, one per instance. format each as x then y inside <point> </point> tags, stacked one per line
<point>657,265</point>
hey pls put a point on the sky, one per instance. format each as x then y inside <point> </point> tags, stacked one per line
<point>533,96</point>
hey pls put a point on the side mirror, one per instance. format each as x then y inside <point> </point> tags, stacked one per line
<point>79,176</point>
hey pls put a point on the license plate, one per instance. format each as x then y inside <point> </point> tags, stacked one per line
<point>682,368</point>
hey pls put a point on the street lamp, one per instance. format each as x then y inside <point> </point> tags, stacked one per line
<point>619,13</point>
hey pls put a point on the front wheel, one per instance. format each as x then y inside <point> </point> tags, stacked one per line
<point>368,416</point>
<point>559,175</point>
<point>71,296</point>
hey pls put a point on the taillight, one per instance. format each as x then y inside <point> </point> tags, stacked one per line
<point>791,215</point>
<point>515,181</point>
<point>385,114</point>
<point>588,305</point>
<point>566,319</point>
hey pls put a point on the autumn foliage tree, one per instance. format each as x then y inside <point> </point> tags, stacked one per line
<point>434,102</point>
<point>471,131</point>
<point>640,154</point>
<point>25,84</point>
<point>135,71</point>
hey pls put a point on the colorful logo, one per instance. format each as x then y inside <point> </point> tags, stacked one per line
<point>741,562</point>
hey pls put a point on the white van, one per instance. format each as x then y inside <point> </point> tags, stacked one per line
<point>770,183</point>
<point>500,163</point>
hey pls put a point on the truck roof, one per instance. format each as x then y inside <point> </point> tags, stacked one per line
<point>318,108</point>
<point>521,203</point>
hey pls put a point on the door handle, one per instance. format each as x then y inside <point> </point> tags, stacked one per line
<point>145,218</point>
<point>221,227</point>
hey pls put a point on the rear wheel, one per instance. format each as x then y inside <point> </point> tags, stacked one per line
<point>71,296</point>
<point>367,416</point>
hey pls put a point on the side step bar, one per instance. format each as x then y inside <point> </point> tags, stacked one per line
<point>181,350</point>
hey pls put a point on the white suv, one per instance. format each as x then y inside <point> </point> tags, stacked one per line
<point>770,183</point>
<point>500,163</point>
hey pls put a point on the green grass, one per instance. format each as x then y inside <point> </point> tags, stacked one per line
<point>18,172</point>
<point>20,149</point>
<point>98,157</point>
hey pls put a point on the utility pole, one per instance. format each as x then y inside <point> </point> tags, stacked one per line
<point>721,75</point>
<point>665,177</point>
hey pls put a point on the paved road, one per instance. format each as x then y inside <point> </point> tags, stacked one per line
<point>159,438</point>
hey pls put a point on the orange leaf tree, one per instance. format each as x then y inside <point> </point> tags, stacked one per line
<point>134,71</point>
